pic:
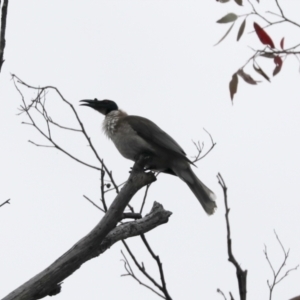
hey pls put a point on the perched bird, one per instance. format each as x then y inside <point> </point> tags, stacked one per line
<point>134,136</point>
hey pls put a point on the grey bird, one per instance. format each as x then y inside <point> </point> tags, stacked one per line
<point>134,136</point>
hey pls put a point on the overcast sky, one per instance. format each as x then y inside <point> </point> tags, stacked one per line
<point>155,59</point>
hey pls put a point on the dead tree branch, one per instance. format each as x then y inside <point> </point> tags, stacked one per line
<point>241,275</point>
<point>2,32</point>
<point>48,282</point>
<point>276,277</point>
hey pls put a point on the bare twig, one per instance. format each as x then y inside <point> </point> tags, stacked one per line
<point>143,271</point>
<point>220,292</point>
<point>284,17</point>
<point>5,202</point>
<point>63,127</point>
<point>200,146</point>
<point>39,145</point>
<point>40,91</point>
<point>130,272</point>
<point>88,199</point>
<point>145,197</point>
<point>2,32</point>
<point>119,185</point>
<point>160,267</point>
<point>241,275</point>
<point>276,278</point>
<point>255,12</point>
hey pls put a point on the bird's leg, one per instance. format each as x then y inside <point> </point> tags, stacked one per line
<point>142,161</point>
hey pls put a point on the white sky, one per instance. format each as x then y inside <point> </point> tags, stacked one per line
<point>155,59</point>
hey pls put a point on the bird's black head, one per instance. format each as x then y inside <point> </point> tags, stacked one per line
<point>104,107</point>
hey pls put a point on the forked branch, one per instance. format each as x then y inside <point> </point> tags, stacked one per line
<point>277,275</point>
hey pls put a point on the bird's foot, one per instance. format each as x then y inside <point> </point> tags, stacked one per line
<point>141,163</point>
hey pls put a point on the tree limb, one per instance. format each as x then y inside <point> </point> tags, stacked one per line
<point>48,281</point>
<point>2,32</point>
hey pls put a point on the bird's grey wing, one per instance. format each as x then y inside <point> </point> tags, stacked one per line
<point>152,133</point>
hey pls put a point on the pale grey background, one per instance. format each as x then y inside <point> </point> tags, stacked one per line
<point>155,59</point>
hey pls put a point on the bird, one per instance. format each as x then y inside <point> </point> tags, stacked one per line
<point>134,136</point>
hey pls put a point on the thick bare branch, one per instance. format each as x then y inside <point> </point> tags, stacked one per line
<point>2,32</point>
<point>48,281</point>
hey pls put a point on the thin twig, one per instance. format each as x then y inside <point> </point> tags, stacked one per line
<point>5,202</point>
<point>256,12</point>
<point>200,148</point>
<point>63,127</point>
<point>160,267</point>
<point>276,278</point>
<point>119,185</point>
<point>220,292</point>
<point>27,108</point>
<point>143,271</point>
<point>130,272</point>
<point>145,197</point>
<point>241,275</point>
<point>40,145</point>
<point>93,203</point>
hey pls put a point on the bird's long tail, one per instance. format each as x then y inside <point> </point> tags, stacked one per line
<point>205,196</point>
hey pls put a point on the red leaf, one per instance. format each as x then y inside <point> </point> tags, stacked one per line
<point>263,36</point>
<point>278,62</point>
<point>282,43</point>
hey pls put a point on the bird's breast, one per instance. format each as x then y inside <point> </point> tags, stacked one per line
<point>110,123</point>
<point>126,140</point>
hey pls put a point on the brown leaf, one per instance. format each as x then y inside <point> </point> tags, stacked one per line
<point>231,17</point>
<point>233,84</point>
<point>247,78</point>
<point>278,62</point>
<point>263,36</point>
<point>282,43</point>
<point>241,30</point>
<point>239,2</point>
<point>261,72</point>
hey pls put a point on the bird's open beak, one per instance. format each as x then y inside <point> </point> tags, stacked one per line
<point>91,103</point>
